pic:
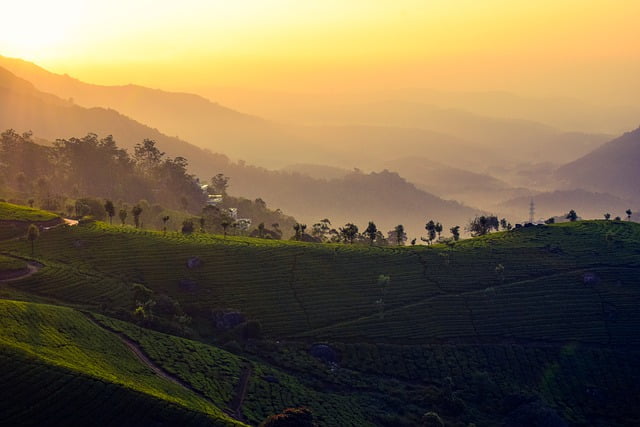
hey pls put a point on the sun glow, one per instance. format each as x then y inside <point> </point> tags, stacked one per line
<point>38,30</point>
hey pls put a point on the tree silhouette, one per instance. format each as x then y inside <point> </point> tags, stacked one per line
<point>572,216</point>
<point>629,213</point>
<point>438,229</point>
<point>455,232</point>
<point>110,210</point>
<point>123,215</point>
<point>607,216</point>
<point>349,232</point>
<point>371,232</point>
<point>136,211</point>
<point>32,234</point>
<point>398,235</point>
<point>164,223</point>
<point>431,231</point>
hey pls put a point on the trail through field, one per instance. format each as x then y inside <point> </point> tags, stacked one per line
<point>159,371</point>
<point>241,392</point>
<point>32,268</point>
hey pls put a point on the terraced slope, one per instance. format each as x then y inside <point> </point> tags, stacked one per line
<point>61,339</point>
<point>436,293</point>
<point>216,373</point>
<point>14,219</point>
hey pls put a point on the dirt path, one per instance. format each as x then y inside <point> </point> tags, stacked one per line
<point>241,392</point>
<point>137,351</point>
<point>32,268</point>
<point>142,357</point>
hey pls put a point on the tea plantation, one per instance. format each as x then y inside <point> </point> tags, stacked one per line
<point>535,326</point>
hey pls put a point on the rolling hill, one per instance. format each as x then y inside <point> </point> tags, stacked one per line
<point>611,168</point>
<point>535,338</point>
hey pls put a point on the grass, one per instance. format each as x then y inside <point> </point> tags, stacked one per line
<point>455,334</point>
<point>11,212</point>
<point>307,290</point>
<point>36,393</point>
<point>215,373</point>
<point>65,338</point>
<point>8,264</point>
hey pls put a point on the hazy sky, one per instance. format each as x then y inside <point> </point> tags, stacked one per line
<point>586,48</point>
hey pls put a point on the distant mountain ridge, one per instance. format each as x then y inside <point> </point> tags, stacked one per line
<point>385,198</point>
<point>614,168</point>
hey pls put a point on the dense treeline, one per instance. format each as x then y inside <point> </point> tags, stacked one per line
<point>93,166</point>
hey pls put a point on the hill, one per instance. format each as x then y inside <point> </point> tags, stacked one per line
<point>611,168</point>
<point>297,195</point>
<point>557,203</point>
<point>50,339</point>
<point>554,327</point>
<point>207,124</point>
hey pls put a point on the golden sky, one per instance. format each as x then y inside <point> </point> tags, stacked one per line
<point>546,47</point>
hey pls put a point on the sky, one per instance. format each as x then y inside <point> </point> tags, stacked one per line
<point>586,48</point>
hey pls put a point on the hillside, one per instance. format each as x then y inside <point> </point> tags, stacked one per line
<point>611,168</point>
<point>557,203</point>
<point>302,197</point>
<point>449,318</point>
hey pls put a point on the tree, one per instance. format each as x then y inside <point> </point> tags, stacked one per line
<point>455,232</point>
<point>136,211</point>
<point>349,232</point>
<point>629,213</point>
<point>551,220</point>
<point>110,210</point>
<point>607,216</point>
<point>320,229</point>
<point>398,235</point>
<point>431,231</point>
<point>482,225</point>
<point>572,216</point>
<point>30,201</point>
<point>438,229</point>
<point>371,231</point>
<point>261,230</point>
<point>123,215</point>
<point>32,234</point>
<point>164,223</point>
<point>225,224</point>
<point>219,184</point>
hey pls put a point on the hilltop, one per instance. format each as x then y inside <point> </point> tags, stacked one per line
<point>447,316</point>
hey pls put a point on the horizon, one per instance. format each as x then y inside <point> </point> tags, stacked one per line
<point>542,51</point>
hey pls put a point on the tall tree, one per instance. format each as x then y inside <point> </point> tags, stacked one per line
<point>164,223</point>
<point>431,231</point>
<point>136,211</point>
<point>455,232</point>
<point>219,184</point>
<point>349,232</point>
<point>398,235</point>
<point>371,232</point>
<point>123,215</point>
<point>110,209</point>
<point>438,229</point>
<point>33,232</point>
<point>629,213</point>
